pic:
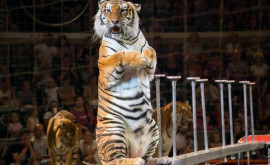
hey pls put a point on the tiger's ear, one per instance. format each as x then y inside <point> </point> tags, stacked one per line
<point>100,2</point>
<point>186,102</point>
<point>138,7</point>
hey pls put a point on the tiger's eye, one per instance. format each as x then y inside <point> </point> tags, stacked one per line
<point>107,11</point>
<point>123,10</point>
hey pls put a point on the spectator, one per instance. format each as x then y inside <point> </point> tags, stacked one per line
<point>46,49</point>
<point>83,55</point>
<point>87,74</point>
<point>7,95</point>
<point>232,45</point>
<point>254,47</point>
<point>65,49</point>
<point>32,120</point>
<point>53,109</point>
<point>237,69</point>
<point>259,73</point>
<point>42,71</point>
<point>68,71</point>
<point>66,94</point>
<point>171,66</point>
<point>211,93</point>
<point>84,114</point>
<point>22,152</point>
<point>26,96</point>
<point>264,111</point>
<point>238,129</point>
<point>216,140</point>
<point>193,49</point>
<point>15,126</point>
<point>90,92</point>
<point>190,145</point>
<point>88,149</point>
<point>40,145</point>
<point>192,56</point>
<point>214,67</point>
<point>217,116</point>
<point>50,92</point>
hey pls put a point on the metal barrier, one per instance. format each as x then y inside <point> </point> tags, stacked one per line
<point>217,152</point>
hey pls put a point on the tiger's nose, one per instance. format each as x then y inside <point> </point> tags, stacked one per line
<point>115,21</point>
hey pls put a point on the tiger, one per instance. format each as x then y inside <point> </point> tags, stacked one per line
<point>184,116</point>
<point>64,134</point>
<point>126,133</point>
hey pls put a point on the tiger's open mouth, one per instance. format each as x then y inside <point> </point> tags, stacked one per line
<point>116,30</point>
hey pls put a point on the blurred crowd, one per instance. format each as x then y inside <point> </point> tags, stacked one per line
<point>156,15</point>
<point>57,73</point>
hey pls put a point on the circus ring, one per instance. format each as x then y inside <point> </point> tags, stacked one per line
<point>245,145</point>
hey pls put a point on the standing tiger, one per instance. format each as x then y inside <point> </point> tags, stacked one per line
<point>64,135</point>
<point>126,132</point>
<point>183,116</point>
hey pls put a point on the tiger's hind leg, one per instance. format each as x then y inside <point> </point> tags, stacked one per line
<point>125,161</point>
<point>112,146</point>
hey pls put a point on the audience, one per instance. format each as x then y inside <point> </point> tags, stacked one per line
<point>40,145</point>
<point>7,94</point>
<point>84,114</point>
<point>66,94</point>
<point>90,92</point>
<point>88,149</point>
<point>22,152</point>
<point>253,47</point>
<point>46,49</point>
<point>215,140</point>
<point>68,70</point>
<point>232,44</point>
<point>32,120</point>
<point>15,126</point>
<point>64,48</point>
<point>56,65</point>
<point>259,74</point>
<point>50,92</point>
<point>264,111</point>
<point>237,69</point>
<point>26,96</point>
<point>83,55</point>
<point>53,109</point>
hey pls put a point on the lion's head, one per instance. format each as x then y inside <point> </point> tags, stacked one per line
<point>117,19</point>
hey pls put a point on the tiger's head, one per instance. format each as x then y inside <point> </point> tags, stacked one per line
<point>117,19</point>
<point>183,113</point>
<point>68,131</point>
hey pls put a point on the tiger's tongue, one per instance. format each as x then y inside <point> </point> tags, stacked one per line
<point>116,29</point>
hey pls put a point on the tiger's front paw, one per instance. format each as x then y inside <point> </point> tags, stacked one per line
<point>134,59</point>
<point>138,161</point>
<point>164,161</point>
<point>150,56</point>
<point>160,161</point>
